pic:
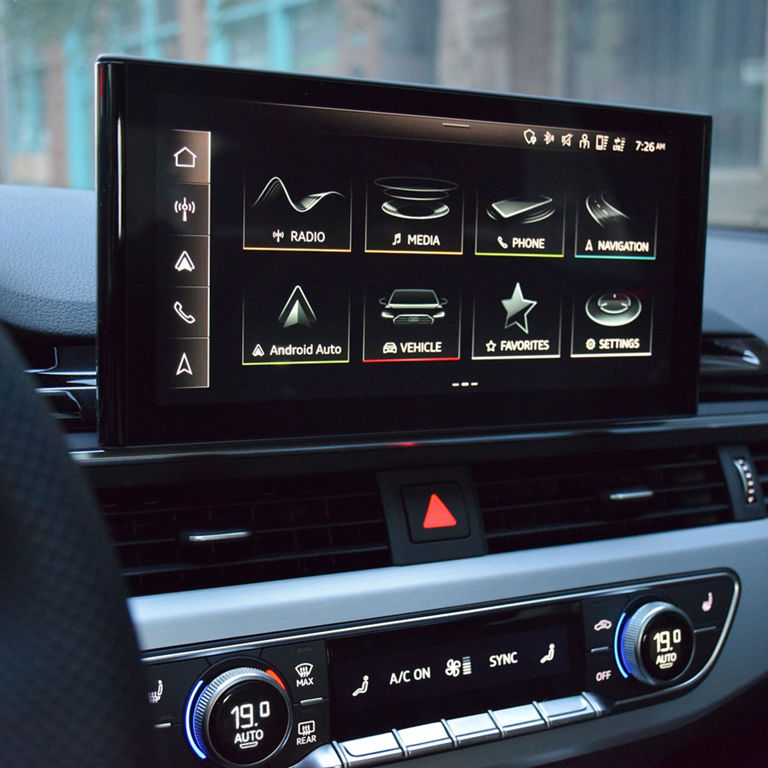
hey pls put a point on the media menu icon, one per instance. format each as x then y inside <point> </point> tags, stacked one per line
<point>414,214</point>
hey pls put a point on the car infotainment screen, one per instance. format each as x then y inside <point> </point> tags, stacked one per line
<point>293,257</point>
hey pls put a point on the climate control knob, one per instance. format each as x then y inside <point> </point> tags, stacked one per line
<point>240,718</point>
<point>657,643</point>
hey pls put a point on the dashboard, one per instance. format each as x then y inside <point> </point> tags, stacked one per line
<point>524,570</point>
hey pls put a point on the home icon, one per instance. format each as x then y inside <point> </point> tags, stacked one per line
<point>185,158</point>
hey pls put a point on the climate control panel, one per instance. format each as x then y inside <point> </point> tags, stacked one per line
<point>411,685</point>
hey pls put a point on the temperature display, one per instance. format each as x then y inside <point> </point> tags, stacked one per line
<point>666,646</point>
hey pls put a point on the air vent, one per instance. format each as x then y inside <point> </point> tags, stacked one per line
<point>548,502</point>
<point>190,537</point>
<point>760,460</point>
<point>65,377</point>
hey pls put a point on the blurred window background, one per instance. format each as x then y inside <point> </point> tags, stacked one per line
<point>703,55</point>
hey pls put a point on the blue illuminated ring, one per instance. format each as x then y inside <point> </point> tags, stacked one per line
<point>188,723</point>
<point>618,647</point>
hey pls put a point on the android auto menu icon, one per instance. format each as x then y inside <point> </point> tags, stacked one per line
<point>296,213</point>
<point>290,323</point>
<point>414,214</point>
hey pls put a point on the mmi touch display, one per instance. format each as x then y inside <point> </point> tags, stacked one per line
<point>286,256</point>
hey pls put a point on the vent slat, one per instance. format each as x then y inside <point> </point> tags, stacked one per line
<point>526,505</point>
<point>276,558</point>
<point>298,527</point>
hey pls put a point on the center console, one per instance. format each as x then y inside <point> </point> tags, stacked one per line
<point>315,275</point>
<point>401,687</point>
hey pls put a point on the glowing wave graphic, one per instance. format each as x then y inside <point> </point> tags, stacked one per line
<point>275,187</point>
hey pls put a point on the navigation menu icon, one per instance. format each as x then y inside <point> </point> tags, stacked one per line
<point>297,310</point>
<point>615,224</point>
<point>184,366</point>
<point>184,363</point>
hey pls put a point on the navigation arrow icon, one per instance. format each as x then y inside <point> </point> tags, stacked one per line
<point>258,351</point>
<point>184,263</point>
<point>184,365</point>
<point>297,310</point>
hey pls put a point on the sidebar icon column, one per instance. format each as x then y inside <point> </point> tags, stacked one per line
<point>184,258</point>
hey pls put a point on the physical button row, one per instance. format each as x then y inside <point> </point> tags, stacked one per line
<point>419,740</point>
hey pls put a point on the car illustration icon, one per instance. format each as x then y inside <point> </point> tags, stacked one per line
<point>603,624</point>
<point>413,306</point>
<point>390,348</point>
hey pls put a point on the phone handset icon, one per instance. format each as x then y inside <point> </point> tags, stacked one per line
<point>178,308</point>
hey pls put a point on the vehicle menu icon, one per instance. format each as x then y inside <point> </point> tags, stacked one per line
<point>296,213</point>
<point>516,319</point>
<point>406,324</point>
<point>519,224</point>
<point>413,214</point>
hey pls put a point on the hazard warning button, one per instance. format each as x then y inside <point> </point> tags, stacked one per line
<point>435,512</point>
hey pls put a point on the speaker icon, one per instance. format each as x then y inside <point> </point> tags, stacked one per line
<point>184,207</point>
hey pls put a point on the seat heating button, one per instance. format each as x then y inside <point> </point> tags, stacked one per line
<point>371,750</point>
<point>518,720</point>
<point>473,729</point>
<point>423,739</point>
<point>570,709</point>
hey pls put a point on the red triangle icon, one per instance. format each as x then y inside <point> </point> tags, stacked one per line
<point>438,515</point>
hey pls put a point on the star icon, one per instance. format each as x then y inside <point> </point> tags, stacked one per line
<point>490,346</point>
<point>517,308</point>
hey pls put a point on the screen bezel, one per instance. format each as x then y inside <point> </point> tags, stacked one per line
<point>127,92</point>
